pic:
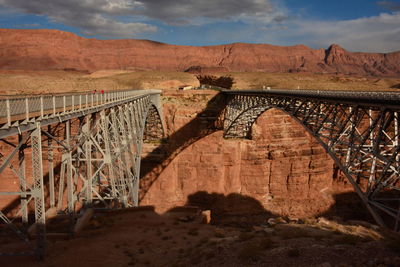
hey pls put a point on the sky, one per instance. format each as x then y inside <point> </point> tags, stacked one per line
<point>356,25</point>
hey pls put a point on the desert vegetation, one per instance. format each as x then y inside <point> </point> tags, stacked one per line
<point>224,82</point>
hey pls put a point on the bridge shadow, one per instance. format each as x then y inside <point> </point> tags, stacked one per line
<point>231,210</point>
<point>345,222</point>
<point>206,122</point>
<point>240,210</point>
<point>347,206</point>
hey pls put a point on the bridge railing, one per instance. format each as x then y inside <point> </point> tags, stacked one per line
<point>24,108</point>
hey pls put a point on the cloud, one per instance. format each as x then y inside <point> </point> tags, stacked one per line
<point>379,33</point>
<point>98,25</point>
<point>372,34</point>
<point>389,5</point>
<point>172,11</point>
<point>128,18</point>
<point>216,21</point>
<point>91,17</point>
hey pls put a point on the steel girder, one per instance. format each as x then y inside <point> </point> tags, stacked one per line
<point>362,139</point>
<point>83,159</point>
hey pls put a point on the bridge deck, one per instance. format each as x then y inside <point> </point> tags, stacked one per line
<point>390,99</point>
<point>20,114</point>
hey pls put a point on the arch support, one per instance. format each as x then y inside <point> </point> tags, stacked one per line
<point>363,141</point>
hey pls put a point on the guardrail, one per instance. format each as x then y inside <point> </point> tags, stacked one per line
<point>24,108</point>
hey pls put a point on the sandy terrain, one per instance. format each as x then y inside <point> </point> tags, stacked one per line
<point>145,238</point>
<point>39,82</point>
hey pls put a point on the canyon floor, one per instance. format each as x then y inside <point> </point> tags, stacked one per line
<point>141,237</point>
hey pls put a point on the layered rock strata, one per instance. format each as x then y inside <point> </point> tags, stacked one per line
<point>282,166</point>
<point>52,49</point>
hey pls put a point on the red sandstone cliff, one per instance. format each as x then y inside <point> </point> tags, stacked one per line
<point>51,49</point>
<point>283,167</point>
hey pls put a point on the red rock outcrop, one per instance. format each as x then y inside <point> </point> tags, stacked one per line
<point>51,49</point>
<point>283,167</point>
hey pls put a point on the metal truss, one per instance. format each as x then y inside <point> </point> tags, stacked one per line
<point>82,155</point>
<point>360,131</point>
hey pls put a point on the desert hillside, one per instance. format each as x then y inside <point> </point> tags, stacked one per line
<point>57,50</point>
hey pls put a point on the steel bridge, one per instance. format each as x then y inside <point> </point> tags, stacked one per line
<point>72,151</point>
<point>359,130</point>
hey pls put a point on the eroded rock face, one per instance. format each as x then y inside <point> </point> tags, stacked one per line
<point>51,49</point>
<point>282,167</point>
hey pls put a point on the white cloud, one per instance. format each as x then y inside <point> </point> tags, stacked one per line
<point>101,26</point>
<point>260,21</point>
<point>94,17</point>
<point>372,34</point>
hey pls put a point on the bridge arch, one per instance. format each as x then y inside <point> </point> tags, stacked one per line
<point>362,140</point>
<point>153,124</point>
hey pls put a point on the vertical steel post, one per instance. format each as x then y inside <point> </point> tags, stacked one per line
<point>54,104</point>
<point>37,172</point>
<point>61,184</point>
<point>41,107</point>
<point>27,109</point>
<point>130,142</point>
<point>119,158</point>
<point>108,154</point>
<point>88,151</point>
<point>70,181</point>
<point>50,159</point>
<point>373,165</point>
<point>22,181</point>
<point>8,109</point>
<point>350,137</point>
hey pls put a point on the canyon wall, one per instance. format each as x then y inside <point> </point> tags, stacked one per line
<point>52,49</point>
<point>282,166</point>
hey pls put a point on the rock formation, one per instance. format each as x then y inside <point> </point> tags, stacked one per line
<point>283,167</point>
<point>52,49</point>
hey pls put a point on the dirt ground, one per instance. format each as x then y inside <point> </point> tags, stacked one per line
<point>40,82</point>
<point>145,238</point>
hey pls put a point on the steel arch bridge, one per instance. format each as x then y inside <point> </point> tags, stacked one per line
<point>90,146</point>
<point>359,130</point>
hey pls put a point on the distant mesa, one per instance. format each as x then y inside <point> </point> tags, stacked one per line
<point>57,50</point>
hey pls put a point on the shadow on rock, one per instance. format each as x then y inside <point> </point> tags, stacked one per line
<point>205,123</point>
